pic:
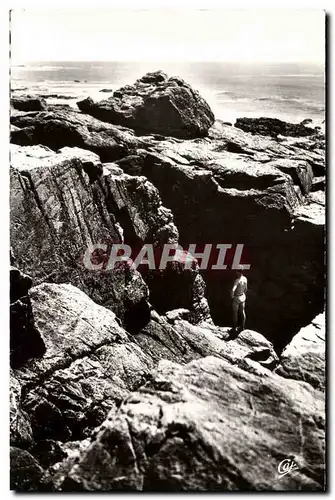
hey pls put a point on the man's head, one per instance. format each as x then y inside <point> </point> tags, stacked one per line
<point>239,271</point>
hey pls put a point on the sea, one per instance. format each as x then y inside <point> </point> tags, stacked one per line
<point>292,92</point>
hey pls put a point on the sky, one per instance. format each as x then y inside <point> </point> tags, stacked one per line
<point>258,35</point>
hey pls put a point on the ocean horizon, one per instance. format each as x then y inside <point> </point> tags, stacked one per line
<point>288,91</point>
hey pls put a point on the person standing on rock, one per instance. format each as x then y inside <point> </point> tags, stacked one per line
<point>238,295</point>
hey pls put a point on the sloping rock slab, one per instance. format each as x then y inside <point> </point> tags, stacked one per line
<point>58,211</point>
<point>208,426</point>
<point>63,203</point>
<point>57,128</point>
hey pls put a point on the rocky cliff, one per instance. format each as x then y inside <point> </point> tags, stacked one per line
<point>129,378</point>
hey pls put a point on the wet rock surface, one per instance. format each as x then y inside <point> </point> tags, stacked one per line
<point>124,379</point>
<point>91,364</point>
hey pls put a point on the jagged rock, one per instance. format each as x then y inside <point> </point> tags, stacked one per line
<point>62,204</point>
<point>155,104</point>
<point>318,197</point>
<point>28,103</point>
<point>72,449</point>
<point>309,149</point>
<point>304,357</point>
<point>25,472</point>
<point>255,200</point>
<point>273,127</point>
<point>57,128</point>
<point>91,364</point>
<point>19,283</point>
<point>177,314</point>
<point>187,430</point>
<point>71,324</point>
<point>184,427</point>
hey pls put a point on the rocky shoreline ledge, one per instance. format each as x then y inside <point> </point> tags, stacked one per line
<point>129,379</point>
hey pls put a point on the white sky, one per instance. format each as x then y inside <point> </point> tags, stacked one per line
<point>177,35</point>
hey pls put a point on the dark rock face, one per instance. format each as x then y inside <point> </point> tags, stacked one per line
<point>155,104</point>
<point>179,432</point>
<point>19,284</point>
<point>92,367</point>
<point>222,197</point>
<point>301,172</point>
<point>20,427</point>
<point>50,245</point>
<point>273,127</point>
<point>26,474</point>
<point>28,103</point>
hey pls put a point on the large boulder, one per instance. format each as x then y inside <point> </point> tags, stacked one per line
<point>304,357</point>
<point>89,365</point>
<point>207,426</point>
<point>155,104</point>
